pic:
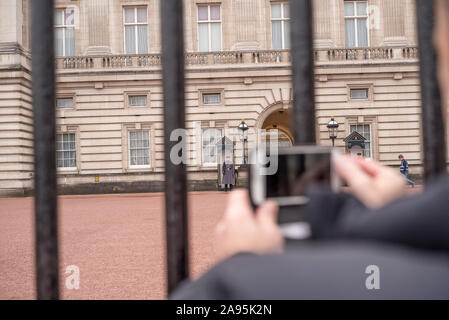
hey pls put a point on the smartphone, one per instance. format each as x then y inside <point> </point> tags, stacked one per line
<point>284,178</point>
<point>287,180</point>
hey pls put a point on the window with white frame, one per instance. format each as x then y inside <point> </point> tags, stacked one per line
<point>210,151</point>
<point>209,28</point>
<point>64,103</point>
<point>356,24</point>
<point>65,32</point>
<point>211,98</point>
<point>139,148</point>
<point>65,150</point>
<point>365,131</point>
<point>137,100</point>
<point>136,30</point>
<point>359,94</point>
<point>280,26</point>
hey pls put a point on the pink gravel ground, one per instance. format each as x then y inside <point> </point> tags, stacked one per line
<point>117,241</point>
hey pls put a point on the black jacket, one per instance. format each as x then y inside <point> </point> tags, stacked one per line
<point>419,221</point>
<point>408,241</point>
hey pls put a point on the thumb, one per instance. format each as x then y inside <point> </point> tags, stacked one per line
<point>238,206</point>
<point>267,213</point>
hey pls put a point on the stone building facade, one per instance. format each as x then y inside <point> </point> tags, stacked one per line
<point>109,88</point>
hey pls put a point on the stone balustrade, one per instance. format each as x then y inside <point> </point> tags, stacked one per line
<point>109,62</point>
<point>198,59</point>
<point>367,54</point>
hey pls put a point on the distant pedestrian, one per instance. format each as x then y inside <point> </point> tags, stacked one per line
<point>228,171</point>
<point>404,169</point>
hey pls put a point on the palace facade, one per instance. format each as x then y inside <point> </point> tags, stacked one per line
<point>109,89</point>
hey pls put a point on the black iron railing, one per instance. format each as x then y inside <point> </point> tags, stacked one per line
<point>43,70</point>
<point>433,128</point>
<point>45,188</point>
<point>174,118</point>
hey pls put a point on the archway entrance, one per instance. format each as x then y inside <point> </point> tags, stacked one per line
<point>279,119</point>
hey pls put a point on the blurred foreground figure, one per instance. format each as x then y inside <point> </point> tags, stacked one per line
<point>374,243</point>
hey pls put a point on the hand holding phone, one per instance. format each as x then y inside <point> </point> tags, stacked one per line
<point>296,168</point>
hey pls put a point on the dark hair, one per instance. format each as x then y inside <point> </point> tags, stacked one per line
<point>401,156</point>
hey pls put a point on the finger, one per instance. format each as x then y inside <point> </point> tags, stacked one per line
<point>370,166</point>
<point>239,206</point>
<point>267,213</point>
<point>348,169</point>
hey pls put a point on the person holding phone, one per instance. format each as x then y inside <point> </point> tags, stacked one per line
<point>406,238</point>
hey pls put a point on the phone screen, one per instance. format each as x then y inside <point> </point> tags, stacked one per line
<point>295,172</point>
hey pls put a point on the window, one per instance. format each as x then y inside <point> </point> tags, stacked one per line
<point>138,101</point>
<point>365,131</point>
<point>359,94</point>
<point>64,103</point>
<point>209,28</point>
<point>66,150</point>
<point>65,32</point>
<point>211,98</point>
<point>356,24</point>
<point>210,151</point>
<point>136,30</point>
<point>280,26</point>
<point>139,148</point>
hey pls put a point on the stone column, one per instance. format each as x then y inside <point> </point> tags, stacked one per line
<point>246,23</point>
<point>98,24</point>
<point>393,12</point>
<point>410,22</point>
<point>324,22</point>
<point>11,22</point>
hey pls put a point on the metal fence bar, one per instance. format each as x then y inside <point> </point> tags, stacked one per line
<point>45,195</point>
<point>433,129</point>
<point>303,125</point>
<point>174,118</point>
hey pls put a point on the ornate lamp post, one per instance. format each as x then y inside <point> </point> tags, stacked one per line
<point>243,127</point>
<point>332,126</point>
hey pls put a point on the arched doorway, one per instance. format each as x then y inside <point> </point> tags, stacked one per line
<point>277,118</point>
